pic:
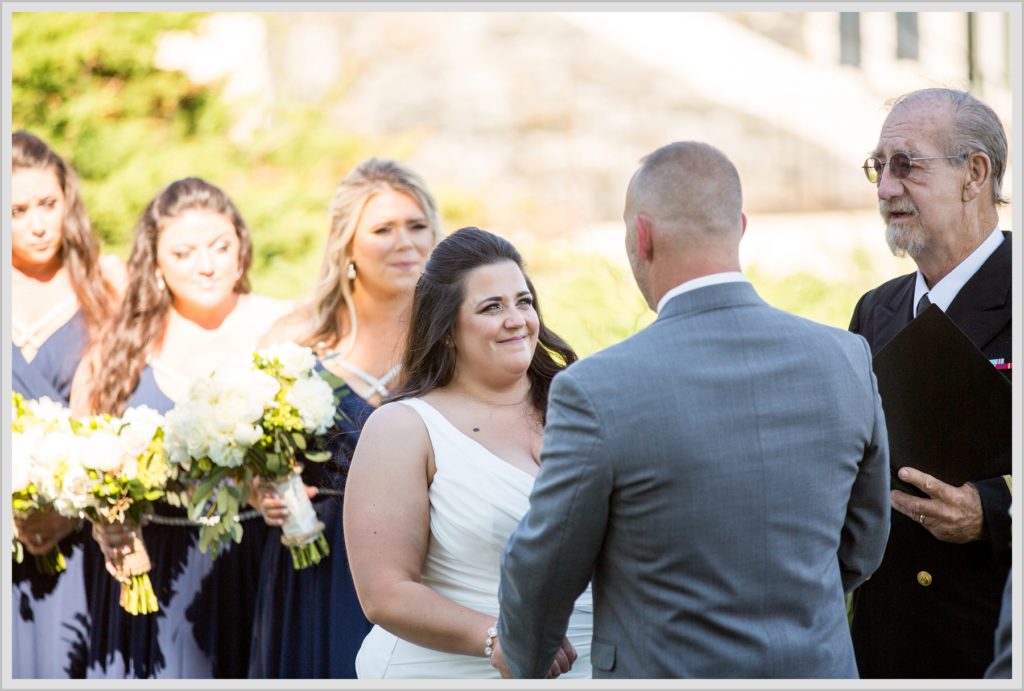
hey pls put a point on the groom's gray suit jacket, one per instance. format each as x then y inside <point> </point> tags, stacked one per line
<point>723,478</point>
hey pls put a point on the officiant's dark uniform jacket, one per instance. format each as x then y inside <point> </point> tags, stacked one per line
<point>931,609</point>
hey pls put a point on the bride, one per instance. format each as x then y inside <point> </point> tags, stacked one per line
<point>442,474</point>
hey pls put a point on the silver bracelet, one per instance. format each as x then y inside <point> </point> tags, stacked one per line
<point>492,633</point>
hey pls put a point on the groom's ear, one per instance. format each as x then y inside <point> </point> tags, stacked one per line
<point>644,237</point>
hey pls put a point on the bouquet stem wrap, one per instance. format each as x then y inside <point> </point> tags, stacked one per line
<point>137,595</point>
<point>302,532</point>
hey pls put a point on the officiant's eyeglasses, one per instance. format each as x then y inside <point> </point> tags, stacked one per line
<point>900,165</point>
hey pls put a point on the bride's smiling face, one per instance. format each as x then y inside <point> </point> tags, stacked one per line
<point>497,325</point>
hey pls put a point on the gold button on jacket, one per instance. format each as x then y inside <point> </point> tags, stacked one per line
<point>924,578</point>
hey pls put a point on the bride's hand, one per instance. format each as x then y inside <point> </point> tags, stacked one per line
<point>498,660</point>
<point>564,659</point>
<point>266,500</point>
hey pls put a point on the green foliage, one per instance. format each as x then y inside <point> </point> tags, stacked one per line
<point>86,84</point>
<point>585,298</point>
<point>809,296</point>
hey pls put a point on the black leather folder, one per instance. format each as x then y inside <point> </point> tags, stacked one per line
<point>947,408</point>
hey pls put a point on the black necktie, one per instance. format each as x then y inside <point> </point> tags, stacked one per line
<point>922,304</point>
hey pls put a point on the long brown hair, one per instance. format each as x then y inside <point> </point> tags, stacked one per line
<point>139,326</point>
<point>428,363</point>
<point>79,249</point>
<point>333,288</point>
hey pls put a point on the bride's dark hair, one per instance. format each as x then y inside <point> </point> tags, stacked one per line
<point>428,363</point>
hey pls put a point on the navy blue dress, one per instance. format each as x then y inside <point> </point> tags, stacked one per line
<point>203,628</point>
<point>50,622</point>
<point>309,623</point>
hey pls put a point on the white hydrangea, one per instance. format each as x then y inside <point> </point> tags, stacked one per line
<point>74,496</point>
<point>314,399</point>
<point>49,413</point>
<point>296,361</point>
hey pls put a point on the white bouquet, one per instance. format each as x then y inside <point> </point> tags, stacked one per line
<point>41,447</point>
<point>253,419</point>
<point>116,473</point>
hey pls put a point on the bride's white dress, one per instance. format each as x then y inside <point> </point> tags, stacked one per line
<point>476,501</point>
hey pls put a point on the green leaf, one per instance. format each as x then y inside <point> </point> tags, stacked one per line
<point>317,456</point>
<point>300,441</point>
<point>223,500</point>
<point>204,489</point>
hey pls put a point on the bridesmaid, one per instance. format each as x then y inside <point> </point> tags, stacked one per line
<point>384,224</point>
<point>187,309</point>
<point>63,292</point>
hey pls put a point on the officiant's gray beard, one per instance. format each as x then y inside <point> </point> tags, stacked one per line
<point>904,242</point>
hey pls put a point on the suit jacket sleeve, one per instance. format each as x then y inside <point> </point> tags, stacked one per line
<point>550,557</point>
<point>995,506</point>
<point>866,529</point>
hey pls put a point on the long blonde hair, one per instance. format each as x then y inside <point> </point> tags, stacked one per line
<point>333,288</point>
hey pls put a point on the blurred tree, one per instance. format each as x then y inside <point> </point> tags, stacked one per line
<point>86,83</point>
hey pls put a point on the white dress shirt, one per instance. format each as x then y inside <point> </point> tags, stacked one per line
<point>943,292</point>
<point>701,282</point>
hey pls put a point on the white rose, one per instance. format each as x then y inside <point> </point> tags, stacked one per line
<point>102,451</point>
<point>224,453</point>
<point>140,425</point>
<point>232,411</point>
<point>246,435</point>
<point>314,399</point>
<point>235,378</point>
<point>296,361</point>
<point>54,448</point>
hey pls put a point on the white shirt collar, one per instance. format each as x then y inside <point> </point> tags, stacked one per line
<point>701,282</point>
<point>944,292</point>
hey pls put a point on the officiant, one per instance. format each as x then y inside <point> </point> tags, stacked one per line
<point>931,609</point>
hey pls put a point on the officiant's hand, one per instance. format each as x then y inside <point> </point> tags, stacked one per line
<point>40,531</point>
<point>265,499</point>
<point>951,514</point>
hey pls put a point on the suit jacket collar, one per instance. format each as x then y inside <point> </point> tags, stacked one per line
<point>981,309</point>
<point>711,297</point>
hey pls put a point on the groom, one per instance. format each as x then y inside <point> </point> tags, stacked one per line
<point>722,476</point>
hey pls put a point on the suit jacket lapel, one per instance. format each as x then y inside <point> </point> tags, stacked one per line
<point>982,308</point>
<point>890,317</point>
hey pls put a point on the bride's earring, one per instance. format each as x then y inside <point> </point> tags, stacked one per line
<point>160,285</point>
<point>351,271</point>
